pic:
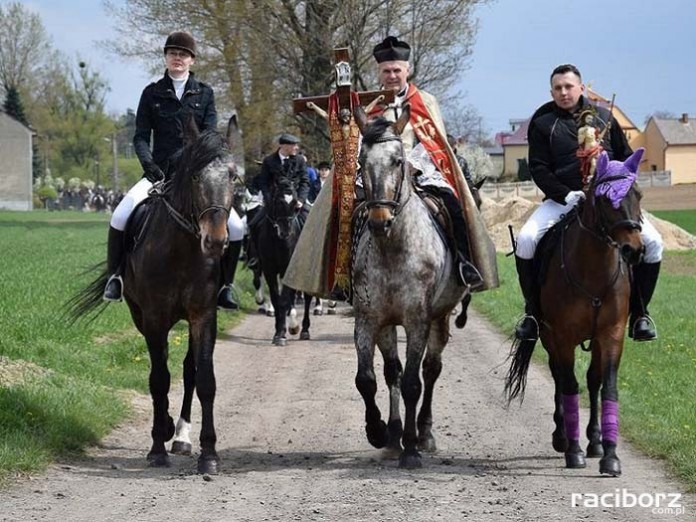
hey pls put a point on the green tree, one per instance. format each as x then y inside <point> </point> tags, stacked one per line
<point>14,107</point>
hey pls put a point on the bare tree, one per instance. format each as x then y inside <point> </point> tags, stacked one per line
<point>23,44</point>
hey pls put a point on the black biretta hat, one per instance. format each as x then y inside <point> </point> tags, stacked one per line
<point>391,49</point>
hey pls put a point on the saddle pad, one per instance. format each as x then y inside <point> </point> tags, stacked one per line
<point>547,245</point>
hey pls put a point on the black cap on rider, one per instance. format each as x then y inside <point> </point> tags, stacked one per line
<point>181,40</point>
<point>288,139</point>
<point>391,49</point>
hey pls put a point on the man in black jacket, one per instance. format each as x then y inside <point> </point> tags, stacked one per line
<point>285,162</point>
<point>555,168</point>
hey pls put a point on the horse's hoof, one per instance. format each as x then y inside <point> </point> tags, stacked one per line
<point>427,444</point>
<point>594,451</point>
<point>410,460</point>
<point>575,460</point>
<point>270,313</point>
<point>610,466</point>
<point>392,452</point>
<point>460,320</point>
<point>304,336</point>
<point>318,312</point>
<point>180,447</point>
<point>560,443</point>
<point>279,341</point>
<point>208,464</point>
<point>159,460</point>
<point>331,311</point>
<point>294,330</point>
<point>259,302</point>
<point>377,434</point>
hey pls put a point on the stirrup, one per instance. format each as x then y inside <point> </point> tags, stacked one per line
<point>530,337</point>
<point>235,303</point>
<point>632,330</point>
<point>119,279</point>
<point>472,286</point>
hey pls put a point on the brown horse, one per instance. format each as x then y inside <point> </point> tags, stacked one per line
<point>172,273</point>
<point>585,296</point>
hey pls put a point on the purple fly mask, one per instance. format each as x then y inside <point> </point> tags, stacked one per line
<point>615,178</point>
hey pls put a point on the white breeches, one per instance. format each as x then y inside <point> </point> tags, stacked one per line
<point>549,213</point>
<point>235,227</point>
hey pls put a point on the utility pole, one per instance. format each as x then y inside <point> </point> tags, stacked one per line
<point>114,150</point>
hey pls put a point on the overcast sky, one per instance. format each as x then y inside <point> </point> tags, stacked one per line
<point>642,51</point>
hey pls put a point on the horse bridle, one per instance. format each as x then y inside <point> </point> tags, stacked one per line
<point>189,225</point>
<point>605,237</point>
<point>294,219</point>
<point>394,204</point>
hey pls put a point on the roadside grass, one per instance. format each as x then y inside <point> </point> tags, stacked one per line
<point>79,398</point>
<point>685,219</point>
<point>656,379</point>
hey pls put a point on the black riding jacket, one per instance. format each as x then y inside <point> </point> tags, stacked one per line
<point>295,169</point>
<point>163,115</point>
<point>553,143</point>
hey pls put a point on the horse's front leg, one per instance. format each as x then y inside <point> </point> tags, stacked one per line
<point>203,332</point>
<point>611,357</point>
<point>182,437</point>
<point>304,334</point>
<point>564,357</point>
<point>392,375</point>
<point>432,366</point>
<point>162,423</point>
<point>365,382</point>
<point>411,387</point>
<point>293,324</point>
<point>594,381</point>
<point>279,337</point>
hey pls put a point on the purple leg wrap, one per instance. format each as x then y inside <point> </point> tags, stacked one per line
<point>610,421</point>
<point>571,416</point>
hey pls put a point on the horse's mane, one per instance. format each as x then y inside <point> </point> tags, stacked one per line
<point>208,147</point>
<point>375,130</point>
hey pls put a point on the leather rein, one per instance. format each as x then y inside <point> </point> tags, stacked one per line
<point>395,204</point>
<point>188,224</point>
<point>602,236</point>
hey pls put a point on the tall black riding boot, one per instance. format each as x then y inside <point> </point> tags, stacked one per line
<point>114,262</point>
<point>228,264</point>
<point>528,327</point>
<point>640,324</point>
<point>468,274</point>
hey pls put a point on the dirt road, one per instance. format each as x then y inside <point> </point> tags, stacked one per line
<point>290,428</point>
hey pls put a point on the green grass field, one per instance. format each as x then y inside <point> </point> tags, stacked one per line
<point>686,219</point>
<point>73,391</point>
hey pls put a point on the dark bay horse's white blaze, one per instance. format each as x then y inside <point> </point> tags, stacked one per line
<point>403,275</point>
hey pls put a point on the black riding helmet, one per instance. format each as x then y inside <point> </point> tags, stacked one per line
<point>181,40</point>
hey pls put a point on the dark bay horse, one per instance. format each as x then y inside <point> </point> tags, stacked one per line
<point>585,296</point>
<point>275,237</point>
<point>173,274</point>
<point>403,274</point>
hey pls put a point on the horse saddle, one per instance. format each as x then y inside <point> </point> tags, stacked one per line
<point>138,224</point>
<point>547,245</point>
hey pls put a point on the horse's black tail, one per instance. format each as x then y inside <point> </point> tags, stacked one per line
<point>88,303</point>
<point>516,379</point>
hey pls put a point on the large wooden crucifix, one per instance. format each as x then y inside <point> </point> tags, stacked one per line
<point>337,110</point>
<point>320,104</point>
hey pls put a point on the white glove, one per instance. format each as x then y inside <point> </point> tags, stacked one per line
<point>574,196</point>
